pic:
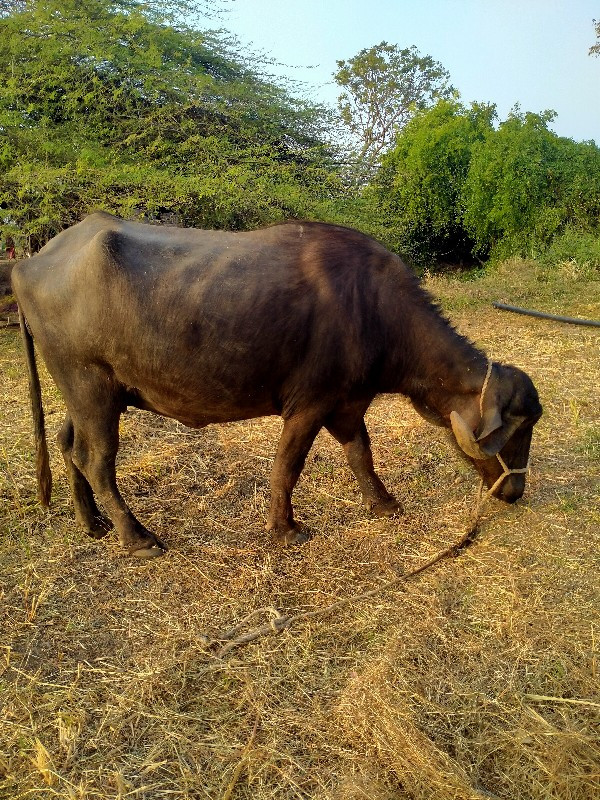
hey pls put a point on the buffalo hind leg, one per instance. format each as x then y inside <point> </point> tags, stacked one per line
<point>87,514</point>
<point>296,440</point>
<point>95,444</point>
<point>351,432</point>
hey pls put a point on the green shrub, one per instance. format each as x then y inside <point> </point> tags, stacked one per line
<point>580,248</point>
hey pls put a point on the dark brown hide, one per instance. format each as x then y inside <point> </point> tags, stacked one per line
<point>305,320</point>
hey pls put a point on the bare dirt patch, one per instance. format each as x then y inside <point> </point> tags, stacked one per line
<point>479,679</point>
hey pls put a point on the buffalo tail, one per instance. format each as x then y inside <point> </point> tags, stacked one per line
<point>44,476</point>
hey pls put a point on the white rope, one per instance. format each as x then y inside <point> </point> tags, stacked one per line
<point>509,470</point>
<point>488,375</point>
<point>506,470</point>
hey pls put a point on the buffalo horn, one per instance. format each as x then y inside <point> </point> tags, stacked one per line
<point>465,437</point>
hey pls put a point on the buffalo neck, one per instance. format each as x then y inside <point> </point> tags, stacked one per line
<point>431,362</point>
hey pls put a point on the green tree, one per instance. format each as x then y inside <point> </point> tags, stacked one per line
<point>382,87</point>
<point>595,48</point>
<point>111,104</point>
<point>456,188</point>
<point>419,185</point>
<point>526,185</point>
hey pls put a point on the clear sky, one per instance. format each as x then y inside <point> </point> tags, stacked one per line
<point>531,52</point>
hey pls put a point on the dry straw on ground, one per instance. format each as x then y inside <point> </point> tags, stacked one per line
<point>477,680</point>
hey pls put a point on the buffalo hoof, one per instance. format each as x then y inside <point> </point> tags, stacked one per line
<point>147,545</point>
<point>145,553</point>
<point>386,508</point>
<point>289,535</point>
<point>97,527</point>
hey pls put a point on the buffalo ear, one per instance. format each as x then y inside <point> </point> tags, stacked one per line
<point>493,442</point>
<point>495,427</point>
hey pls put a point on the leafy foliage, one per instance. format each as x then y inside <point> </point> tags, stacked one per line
<point>382,88</point>
<point>122,105</point>
<point>526,185</point>
<point>595,48</point>
<point>456,188</point>
<point>420,182</point>
<point>114,105</point>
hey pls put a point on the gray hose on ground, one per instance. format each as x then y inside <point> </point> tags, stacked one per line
<point>570,320</point>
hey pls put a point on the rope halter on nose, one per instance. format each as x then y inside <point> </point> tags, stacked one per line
<point>506,470</point>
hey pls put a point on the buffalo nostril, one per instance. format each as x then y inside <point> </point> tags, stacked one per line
<point>511,497</point>
<point>512,490</point>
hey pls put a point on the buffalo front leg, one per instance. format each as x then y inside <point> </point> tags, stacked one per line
<point>296,440</point>
<point>352,434</point>
<point>87,514</point>
<point>95,445</point>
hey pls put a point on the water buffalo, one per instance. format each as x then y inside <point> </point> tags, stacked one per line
<point>305,320</point>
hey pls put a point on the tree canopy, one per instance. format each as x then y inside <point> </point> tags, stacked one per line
<point>456,188</point>
<point>526,185</point>
<point>595,48</point>
<point>111,105</point>
<point>420,181</point>
<point>126,106</point>
<point>382,87</point>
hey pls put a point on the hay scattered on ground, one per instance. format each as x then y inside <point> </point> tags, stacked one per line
<point>477,680</point>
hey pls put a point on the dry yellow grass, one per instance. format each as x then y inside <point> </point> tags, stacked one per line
<point>479,679</point>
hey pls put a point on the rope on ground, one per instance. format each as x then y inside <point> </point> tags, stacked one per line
<point>279,622</point>
<point>229,640</point>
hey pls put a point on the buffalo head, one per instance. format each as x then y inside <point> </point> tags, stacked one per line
<point>509,408</point>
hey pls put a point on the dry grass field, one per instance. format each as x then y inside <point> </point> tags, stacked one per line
<point>477,679</point>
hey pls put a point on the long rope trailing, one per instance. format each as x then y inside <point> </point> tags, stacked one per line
<point>233,638</point>
<point>223,643</point>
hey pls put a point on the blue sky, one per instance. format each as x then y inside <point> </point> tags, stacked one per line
<point>531,52</point>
